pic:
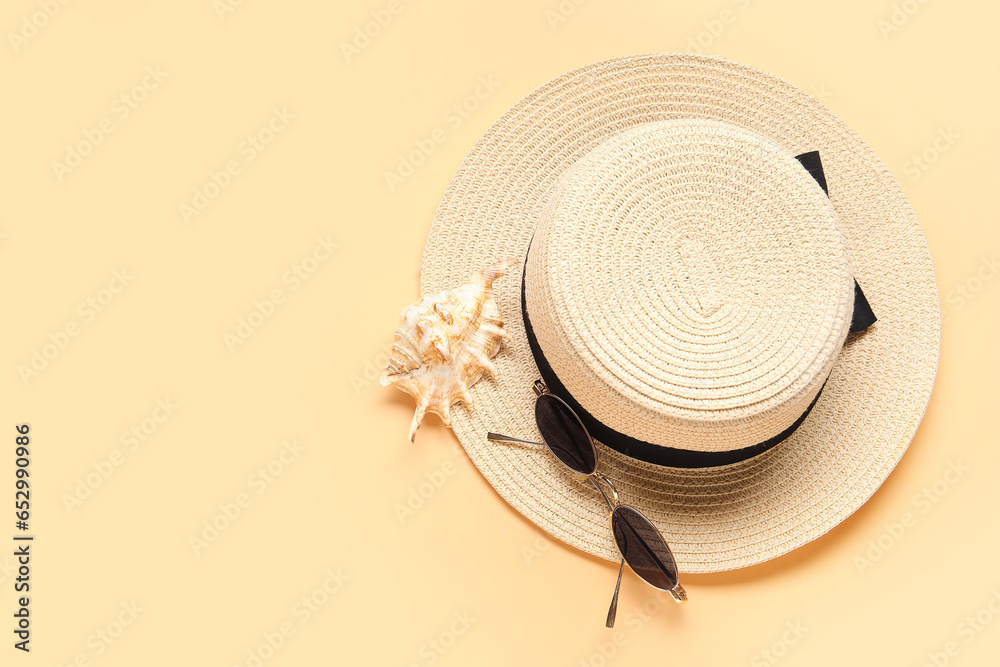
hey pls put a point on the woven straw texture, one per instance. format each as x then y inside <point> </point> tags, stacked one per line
<point>728,517</point>
<point>689,284</point>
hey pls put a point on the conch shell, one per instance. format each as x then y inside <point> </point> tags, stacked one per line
<point>444,344</point>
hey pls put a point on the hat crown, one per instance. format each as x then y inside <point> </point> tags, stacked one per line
<point>690,285</point>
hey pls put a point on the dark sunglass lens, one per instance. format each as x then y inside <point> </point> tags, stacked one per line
<point>643,548</point>
<point>564,434</point>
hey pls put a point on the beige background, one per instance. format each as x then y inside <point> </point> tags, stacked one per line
<point>116,577</point>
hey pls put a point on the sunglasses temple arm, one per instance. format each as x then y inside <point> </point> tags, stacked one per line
<point>499,437</point>
<point>613,610</point>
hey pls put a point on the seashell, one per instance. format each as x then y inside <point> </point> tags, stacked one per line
<point>444,344</point>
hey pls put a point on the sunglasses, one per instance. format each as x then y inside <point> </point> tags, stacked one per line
<point>641,545</point>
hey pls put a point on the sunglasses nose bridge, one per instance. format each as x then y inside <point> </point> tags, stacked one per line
<point>613,500</point>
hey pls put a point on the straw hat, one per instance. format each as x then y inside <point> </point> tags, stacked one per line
<point>689,234</point>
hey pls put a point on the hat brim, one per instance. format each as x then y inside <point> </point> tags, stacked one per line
<point>728,517</point>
